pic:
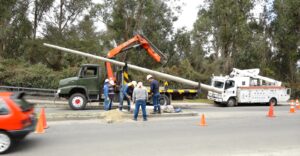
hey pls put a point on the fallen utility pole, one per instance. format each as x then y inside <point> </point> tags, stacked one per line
<point>144,70</point>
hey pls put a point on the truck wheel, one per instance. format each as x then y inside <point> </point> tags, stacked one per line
<point>273,100</point>
<point>77,101</point>
<point>231,102</point>
<point>5,142</point>
<point>164,100</point>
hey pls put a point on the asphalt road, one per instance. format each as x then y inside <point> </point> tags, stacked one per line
<point>230,131</point>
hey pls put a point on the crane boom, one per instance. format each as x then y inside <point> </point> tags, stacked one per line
<point>144,70</point>
<point>136,41</point>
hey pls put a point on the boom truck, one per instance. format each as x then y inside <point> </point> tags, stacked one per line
<point>122,77</point>
<point>87,87</point>
<point>89,79</point>
<point>246,86</point>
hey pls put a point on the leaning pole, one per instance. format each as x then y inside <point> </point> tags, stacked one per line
<point>141,69</point>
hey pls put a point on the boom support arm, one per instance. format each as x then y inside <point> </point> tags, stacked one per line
<point>144,70</point>
<point>136,41</point>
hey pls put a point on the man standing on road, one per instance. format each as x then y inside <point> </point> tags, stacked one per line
<point>111,93</point>
<point>126,93</point>
<point>105,92</point>
<point>140,97</point>
<point>154,91</point>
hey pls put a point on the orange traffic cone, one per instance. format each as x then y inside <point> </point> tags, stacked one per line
<point>297,104</point>
<point>271,110</point>
<point>292,108</point>
<point>39,127</point>
<point>43,115</point>
<point>203,122</point>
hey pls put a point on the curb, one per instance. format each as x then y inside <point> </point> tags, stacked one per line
<point>88,115</point>
<point>64,104</point>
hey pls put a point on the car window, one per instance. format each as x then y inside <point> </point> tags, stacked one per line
<point>18,98</point>
<point>3,107</point>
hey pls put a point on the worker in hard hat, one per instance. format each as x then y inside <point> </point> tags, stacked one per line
<point>105,92</point>
<point>154,91</point>
<point>140,96</point>
<point>126,93</point>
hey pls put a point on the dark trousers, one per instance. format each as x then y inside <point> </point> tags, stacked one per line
<point>156,103</point>
<point>122,97</point>
<point>138,104</point>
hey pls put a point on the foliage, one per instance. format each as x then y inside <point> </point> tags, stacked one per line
<point>225,35</point>
<point>18,73</point>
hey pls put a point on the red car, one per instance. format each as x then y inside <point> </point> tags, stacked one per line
<point>17,119</point>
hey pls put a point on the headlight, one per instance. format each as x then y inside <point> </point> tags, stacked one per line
<point>58,91</point>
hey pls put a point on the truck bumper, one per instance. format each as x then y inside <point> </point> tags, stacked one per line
<point>216,99</point>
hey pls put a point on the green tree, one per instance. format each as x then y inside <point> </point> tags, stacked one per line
<point>223,27</point>
<point>39,10</point>
<point>153,18</point>
<point>286,38</point>
<point>61,30</point>
<point>15,27</point>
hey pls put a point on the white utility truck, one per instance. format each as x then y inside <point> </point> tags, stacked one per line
<point>246,86</point>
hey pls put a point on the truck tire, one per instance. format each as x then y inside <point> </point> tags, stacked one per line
<point>164,100</point>
<point>273,100</point>
<point>77,101</point>
<point>5,142</point>
<point>231,102</point>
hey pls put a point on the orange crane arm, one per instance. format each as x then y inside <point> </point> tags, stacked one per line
<point>137,40</point>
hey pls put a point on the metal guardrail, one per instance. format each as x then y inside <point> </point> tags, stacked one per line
<point>30,91</point>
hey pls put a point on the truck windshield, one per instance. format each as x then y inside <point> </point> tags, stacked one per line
<point>218,84</point>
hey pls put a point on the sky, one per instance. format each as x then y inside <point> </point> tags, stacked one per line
<point>189,13</point>
<point>190,9</point>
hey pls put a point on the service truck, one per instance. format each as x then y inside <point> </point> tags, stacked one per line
<point>247,86</point>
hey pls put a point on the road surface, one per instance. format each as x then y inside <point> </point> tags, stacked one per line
<point>230,131</point>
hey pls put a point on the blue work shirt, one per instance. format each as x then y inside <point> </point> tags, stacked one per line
<point>154,87</point>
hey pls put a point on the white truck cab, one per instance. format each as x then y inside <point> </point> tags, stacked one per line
<point>246,86</point>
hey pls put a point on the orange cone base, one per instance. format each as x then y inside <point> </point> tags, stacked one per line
<point>271,116</point>
<point>203,122</point>
<point>43,115</point>
<point>292,110</point>
<point>271,111</point>
<point>39,127</point>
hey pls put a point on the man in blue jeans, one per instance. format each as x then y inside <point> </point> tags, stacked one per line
<point>140,96</point>
<point>105,92</point>
<point>154,90</point>
<point>111,93</point>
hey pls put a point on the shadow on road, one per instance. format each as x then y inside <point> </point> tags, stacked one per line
<point>24,145</point>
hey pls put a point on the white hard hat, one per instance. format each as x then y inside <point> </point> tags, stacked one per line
<point>149,76</point>
<point>133,83</point>
<point>106,80</point>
